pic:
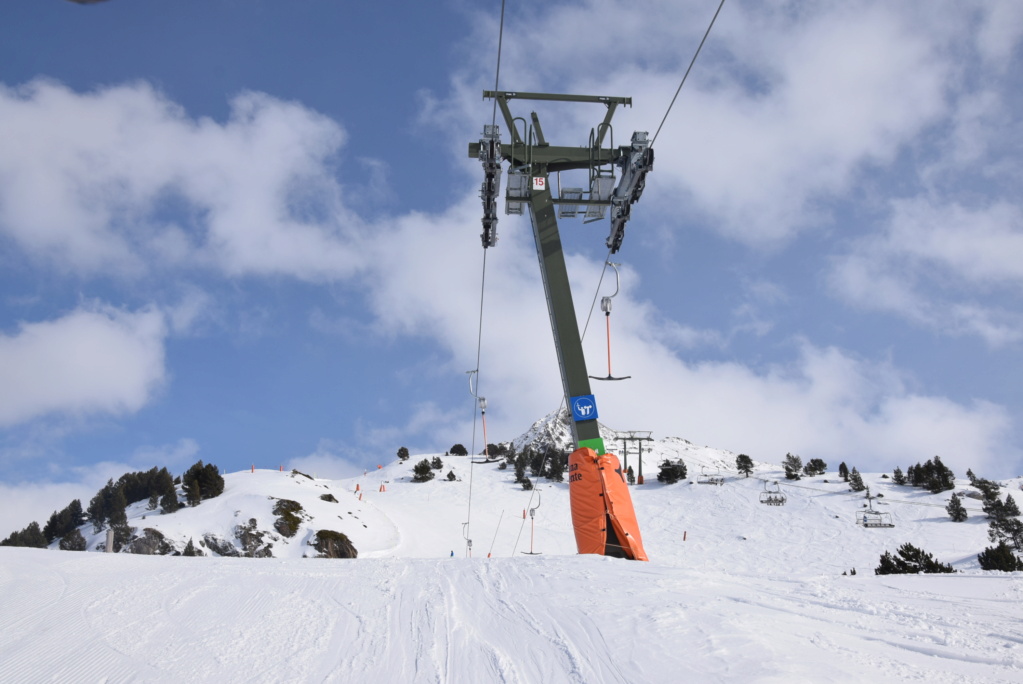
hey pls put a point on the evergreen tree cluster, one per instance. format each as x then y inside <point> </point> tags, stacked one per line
<point>30,536</point>
<point>496,451</point>
<point>898,477</point>
<point>403,454</point>
<point>815,466</point>
<point>999,557</point>
<point>910,560</point>
<point>108,506</point>
<point>1005,530</point>
<point>672,471</point>
<point>934,476</point>
<point>63,521</point>
<point>843,471</point>
<point>422,471</point>
<point>436,463</point>
<point>201,482</point>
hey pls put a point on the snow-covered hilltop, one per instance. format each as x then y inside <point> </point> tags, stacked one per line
<point>736,590</point>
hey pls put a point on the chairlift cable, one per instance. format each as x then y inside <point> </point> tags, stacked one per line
<point>479,337</point>
<point>497,75</point>
<point>686,75</point>
<point>476,402</point>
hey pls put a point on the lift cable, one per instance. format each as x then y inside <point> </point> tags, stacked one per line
<point>497,75</point>
<point>686,75</point>
<point>476,404</point>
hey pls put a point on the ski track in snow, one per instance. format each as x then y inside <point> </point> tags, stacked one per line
<point>754,594</point>
<point>121,618</point>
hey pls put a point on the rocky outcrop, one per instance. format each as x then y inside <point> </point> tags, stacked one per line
<point>253,540</point>
<point>150,543</point>
<point>331,544</point>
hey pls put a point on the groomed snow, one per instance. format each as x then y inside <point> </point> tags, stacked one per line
<point>735,590</point>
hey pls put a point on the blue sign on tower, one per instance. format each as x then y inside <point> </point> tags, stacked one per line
<point>584,408</point>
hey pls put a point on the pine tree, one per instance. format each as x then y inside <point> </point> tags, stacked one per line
<point>527,484</point>
<point>436,463</point>
<point>403,454</point>
<point>999,557</point>
<point>556,467</point>
<point>31,536</point>
<point>744,464</point>
<point>941,478</point>
<point>422,471</point>
<point>910,560</point>
<point>190,549</point>
<point>793,466</point>
<point>898,477</point>
<point>520,465</point>
<point>955,509</point>
<point>72,541</point>
<point>843,471</point>
<point>815,467</point>
<point>1010,507</point>
<point>856,481</point>
<point>458,450</point>
<point>202,482</point>
<point>451,476</point>
<point>672,472</point>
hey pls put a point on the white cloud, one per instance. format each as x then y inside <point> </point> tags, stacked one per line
<point>332,460</point>
<point>935,263</point>
<point>84,176</point>
<point>93,360</point>
<point>25,502</point>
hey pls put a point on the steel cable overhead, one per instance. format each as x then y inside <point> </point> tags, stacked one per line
<point>479,337</point>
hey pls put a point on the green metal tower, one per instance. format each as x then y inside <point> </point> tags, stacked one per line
<point>531,161</point>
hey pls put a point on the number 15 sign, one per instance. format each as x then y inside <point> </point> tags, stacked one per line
<point>539,183</point>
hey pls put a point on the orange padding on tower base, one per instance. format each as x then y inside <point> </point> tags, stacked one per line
<point>602,513</point>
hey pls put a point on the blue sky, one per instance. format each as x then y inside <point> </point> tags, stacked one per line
<point>247,232</point>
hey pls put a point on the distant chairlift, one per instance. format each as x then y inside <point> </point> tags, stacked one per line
<point>773,497</point>
<point>872,518</point>
<point>710,476</point>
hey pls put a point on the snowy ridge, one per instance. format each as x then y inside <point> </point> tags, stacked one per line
<point>735,590</point>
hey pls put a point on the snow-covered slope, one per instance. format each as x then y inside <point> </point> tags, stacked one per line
<point>735,590</point>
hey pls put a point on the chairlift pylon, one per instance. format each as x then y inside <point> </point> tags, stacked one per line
<point>605,306</point>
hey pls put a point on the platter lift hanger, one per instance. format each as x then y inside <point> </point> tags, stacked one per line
<point>605,306</point>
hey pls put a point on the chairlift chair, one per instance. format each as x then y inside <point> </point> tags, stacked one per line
<point>710,476</point>
<point>871,518</point>
<point>773,497</point>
